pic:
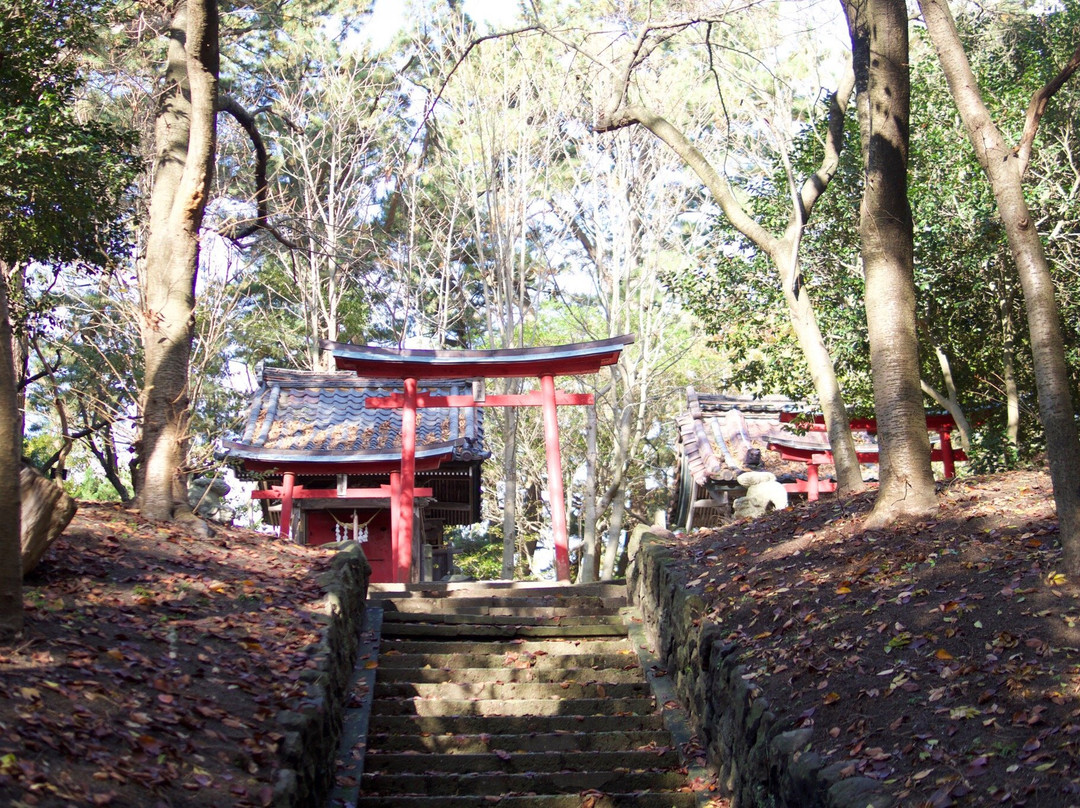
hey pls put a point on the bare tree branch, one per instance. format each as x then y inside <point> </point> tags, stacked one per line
<point>226,103</point>
<point>430,108</point>
<point>48,371</point>
<point>1037,108</point>
<point>681,145</point>
<point>817,182</point>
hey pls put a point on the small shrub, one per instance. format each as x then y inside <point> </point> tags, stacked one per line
<point>480,553</point>
<point>991,452</point>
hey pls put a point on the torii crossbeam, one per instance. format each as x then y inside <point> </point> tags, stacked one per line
<point>413,366</point>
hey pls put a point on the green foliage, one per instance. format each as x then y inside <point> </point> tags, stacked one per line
<point>61,177</point>
<point>82,481</point>
<point>84,484</point>
<point>480,555</point>
<point>95,369</point>
<point>736,293</point>
<point>991,452</point>
<point>968,299</point>
<point>39,445</point>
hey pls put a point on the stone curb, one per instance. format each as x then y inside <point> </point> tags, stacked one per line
<point>676,719</point>
<point>354,730</point>
<point>761,760</point>
<point>312,728</point>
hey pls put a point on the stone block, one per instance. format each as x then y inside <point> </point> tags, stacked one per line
<point>45,510</point>
<point>286,789</point>
<point>786,744</point>
<point>858,792</point>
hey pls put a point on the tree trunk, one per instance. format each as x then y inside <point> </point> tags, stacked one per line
<point>106,457</point>
<point>20,344</point>
<point>11,607</point>
<point>616,494</point>
<point>532,516</point>
<point>950,402</point>
<point>614,536</point>
<point>509,493</point>
<point>822,370</point>
<point>185,134</point>
<point>1005,172</point>
<point>879,29</point>
<point>1008,358</point>
<point>587,572</point>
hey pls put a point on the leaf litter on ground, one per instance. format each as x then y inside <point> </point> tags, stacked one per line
<point>940,657</point>
<point>154,664</point>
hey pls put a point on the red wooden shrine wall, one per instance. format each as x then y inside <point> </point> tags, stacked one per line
<point>377,549</point>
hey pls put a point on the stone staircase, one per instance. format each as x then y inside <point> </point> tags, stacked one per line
<point>516,695</point>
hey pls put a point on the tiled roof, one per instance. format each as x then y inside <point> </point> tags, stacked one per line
<point>716,436</point>
<point>717,431</point>
<point>304,415</point>
<point>766,406</point>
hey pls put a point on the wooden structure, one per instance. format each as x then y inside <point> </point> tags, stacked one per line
<point>719,437</point>
<point>812,448</point>
<point>413,366</point>
<point>335,465</point>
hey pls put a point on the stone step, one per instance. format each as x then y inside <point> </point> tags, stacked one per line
<point>391,675</point>
<point>511,724</point>
<point>391,646</point>
<point>502,620</point>
<point>599,800</point>
<point>528,607</point>
<point>464,631</point>
<point>449,661</point>
<point>457,690</point>
<point>517,695</point>
<point>431,589</point>
<point>520,762</point>
<point>492,707</point>
<point>644,740</point>
<point>537,783</point>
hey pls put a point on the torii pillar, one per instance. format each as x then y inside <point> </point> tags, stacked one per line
<point>556,497</point>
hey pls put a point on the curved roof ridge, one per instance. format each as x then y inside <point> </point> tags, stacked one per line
<point>288,377</point>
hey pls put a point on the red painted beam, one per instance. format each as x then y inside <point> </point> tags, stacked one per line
<point>395,522</point>
<point>805,455</point>
<point>331,468</point>
<point>424,401</point>
<point>934,422</point>
<point>331,493</point>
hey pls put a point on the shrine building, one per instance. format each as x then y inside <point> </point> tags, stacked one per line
<point>387,450</point>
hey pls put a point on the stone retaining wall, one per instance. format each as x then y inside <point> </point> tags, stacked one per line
<point>762,760</point>
<point>313,728</point>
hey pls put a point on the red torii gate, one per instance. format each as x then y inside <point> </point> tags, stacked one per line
<point>413,365</point>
